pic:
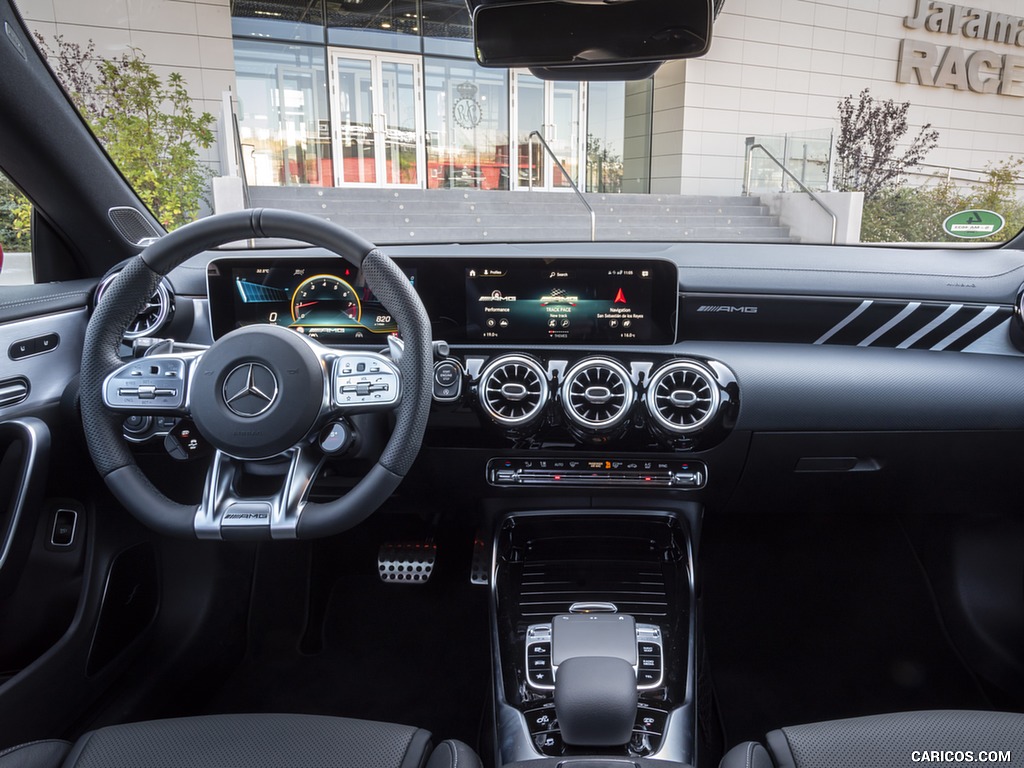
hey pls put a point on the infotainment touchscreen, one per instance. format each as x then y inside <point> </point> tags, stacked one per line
<point>570,301</point>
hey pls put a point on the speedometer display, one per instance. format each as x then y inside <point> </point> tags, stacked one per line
<point>325,300</point>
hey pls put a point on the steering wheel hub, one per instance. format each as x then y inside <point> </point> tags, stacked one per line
<point>257,392</point>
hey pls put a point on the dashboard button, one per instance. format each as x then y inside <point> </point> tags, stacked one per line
<point>447,381</point>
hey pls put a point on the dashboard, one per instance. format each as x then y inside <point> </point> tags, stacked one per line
<point>693,370</point>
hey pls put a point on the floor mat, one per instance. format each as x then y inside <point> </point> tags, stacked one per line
<point>820,617</point>
<point>328,636</point>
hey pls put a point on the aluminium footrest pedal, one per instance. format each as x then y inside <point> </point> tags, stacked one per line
<point>406,562</point>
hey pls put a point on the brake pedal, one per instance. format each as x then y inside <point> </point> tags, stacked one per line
<point>406,562</point>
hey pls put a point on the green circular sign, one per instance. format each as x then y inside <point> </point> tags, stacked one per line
<point>971,225</point>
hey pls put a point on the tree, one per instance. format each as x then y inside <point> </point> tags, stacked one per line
<point>869,133</point>
<point>146,124</point>
<point>15,214</point>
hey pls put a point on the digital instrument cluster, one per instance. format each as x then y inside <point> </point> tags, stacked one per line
<point>325,299</point>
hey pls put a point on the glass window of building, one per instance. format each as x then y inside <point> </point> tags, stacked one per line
<point>467,125</point>
<point>619,136</point>
<point>283,114</point>
<point>278,19</point>
<point>381,24</point>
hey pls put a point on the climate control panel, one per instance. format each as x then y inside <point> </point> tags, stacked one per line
<point>590,472</point>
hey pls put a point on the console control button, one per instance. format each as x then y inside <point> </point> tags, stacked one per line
<point>648,649</point>
<point>549,743</point>
<point>541,720</point>
<point>541,678</point>
<point>447,381</point>
<point>539,649</point>
<point>651,663</point>
<point>648,677</point>
<point>540,662</point>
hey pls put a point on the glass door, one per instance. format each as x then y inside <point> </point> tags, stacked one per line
<point>376,105</point>
<point>555,110</point>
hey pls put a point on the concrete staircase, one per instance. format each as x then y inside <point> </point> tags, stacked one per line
<point>452,215</point>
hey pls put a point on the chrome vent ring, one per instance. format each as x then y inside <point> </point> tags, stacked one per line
<point>154,315</point>
<point>682,397</point>
<point>597,394</point>
<point>513,390</point>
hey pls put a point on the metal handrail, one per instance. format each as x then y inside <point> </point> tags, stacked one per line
<point>803,187</point>
<point>579,195</point>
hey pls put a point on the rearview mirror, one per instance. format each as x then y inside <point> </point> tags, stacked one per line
<point>589,34</point>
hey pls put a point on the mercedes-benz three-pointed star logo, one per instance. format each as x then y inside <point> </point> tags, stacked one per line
<point>250,389</point>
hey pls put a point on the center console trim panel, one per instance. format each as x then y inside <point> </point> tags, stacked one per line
<point>513,743</point>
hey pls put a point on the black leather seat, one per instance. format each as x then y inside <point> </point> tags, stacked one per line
<point>246,741</point>
<point>911,739</point>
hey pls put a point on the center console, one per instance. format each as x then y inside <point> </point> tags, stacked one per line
<point>609,591</point>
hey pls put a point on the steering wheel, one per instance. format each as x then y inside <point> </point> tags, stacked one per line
<point>258,392</point>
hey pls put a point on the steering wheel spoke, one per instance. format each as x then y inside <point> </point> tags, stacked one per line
<point>225,513</point>
<point>154,385</point>
<point>364,382</point>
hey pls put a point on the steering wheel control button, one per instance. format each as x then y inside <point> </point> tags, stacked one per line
<point>183,442</point>
<point>250,389</point>
<point>365,382</point>
<point>447,381</point>
<point>153,383</point>
<point>335,438</point>
<point>136,426</point>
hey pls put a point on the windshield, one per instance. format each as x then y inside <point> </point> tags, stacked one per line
<point>807,122</point>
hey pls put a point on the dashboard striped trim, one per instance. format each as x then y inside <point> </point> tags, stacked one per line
<point>818,320</point>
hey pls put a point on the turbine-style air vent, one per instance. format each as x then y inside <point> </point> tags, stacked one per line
<point>154,315</point>
<point>513,390</point>
<point>682,397</point>
<point>597,394</point>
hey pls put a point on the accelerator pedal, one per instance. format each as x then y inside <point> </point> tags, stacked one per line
<point>480,569</point>
<point>406,562</point>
